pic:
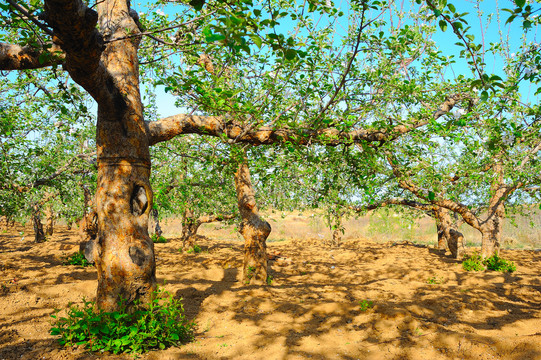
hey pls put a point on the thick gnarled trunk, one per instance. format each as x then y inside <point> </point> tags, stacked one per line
<point>254,229</point>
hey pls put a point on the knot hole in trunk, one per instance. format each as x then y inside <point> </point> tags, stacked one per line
<point>139,201</point>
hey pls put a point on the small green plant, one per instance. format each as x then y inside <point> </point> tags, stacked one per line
<point>434,280</point>
<point>473,263</point>
<point>159,324</point>
<point>270,279</point>
<point>496,263</point>
<point>158,239</point>
<point>77,258</point>
<point>250,272</point>
<point>365,305</point>
<point>194,249</point>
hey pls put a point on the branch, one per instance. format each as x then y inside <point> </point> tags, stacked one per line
<point>399,201</point>
<point>403,181</point>
<point>219,126</point>
<point>16,57</point>
<point>26,13</point>
<point>74,30</point>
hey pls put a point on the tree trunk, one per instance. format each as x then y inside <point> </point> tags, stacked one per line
<point>443,226</point>
<point>50,217</point>
<point>491,230</point>
<point>126,264</point>
<point>190,225</point>
<point>254,229</point>
<point>154,223</point>
<point>39,234</point>
<point>491,236</point>
<point>336,228</point>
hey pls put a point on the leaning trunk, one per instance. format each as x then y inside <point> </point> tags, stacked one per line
<point>254,229</point>
<point>38,226</point>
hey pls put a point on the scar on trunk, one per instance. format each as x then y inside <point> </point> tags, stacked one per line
<point>139,201</point>
<point>137,256</point>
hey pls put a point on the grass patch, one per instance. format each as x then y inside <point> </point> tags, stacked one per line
<point>157,325</point>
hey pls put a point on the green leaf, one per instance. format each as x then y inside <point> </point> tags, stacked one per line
<point>257,40</point>
<point>443,25</point>
<point>520,3</point>
<point>214,38</point>
<point>484,96</point>
<point>431,195</point>
<point>290,54</point>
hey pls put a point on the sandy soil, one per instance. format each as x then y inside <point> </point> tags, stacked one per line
<point>311,310</point>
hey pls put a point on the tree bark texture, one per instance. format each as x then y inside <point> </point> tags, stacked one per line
<point>254,229</point>
<point>39,234</point>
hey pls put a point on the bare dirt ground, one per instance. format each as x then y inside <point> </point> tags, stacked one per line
<point>424,305</point>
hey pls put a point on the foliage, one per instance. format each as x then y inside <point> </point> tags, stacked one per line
<point>494,262</point>
<point>159,324</point>
<point>473,263</point>
<point>77,258</point>
<point>158,239</point>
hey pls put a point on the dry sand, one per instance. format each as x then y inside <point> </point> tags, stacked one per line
<point>311,311</point>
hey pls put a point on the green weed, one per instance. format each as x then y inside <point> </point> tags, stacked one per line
<point>270,279</point>
<point>77,258</point>
<point>434,280</point>
<point>194,249</point>
<point>159,324</point>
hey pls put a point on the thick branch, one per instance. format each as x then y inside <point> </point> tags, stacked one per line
<point>74,30</point>
<point>16,57</point>
<point>167,128</point>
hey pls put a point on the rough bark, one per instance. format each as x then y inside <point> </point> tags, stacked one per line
<point>39,234</point>
<point>15,57</point>
<point>254,229</point>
